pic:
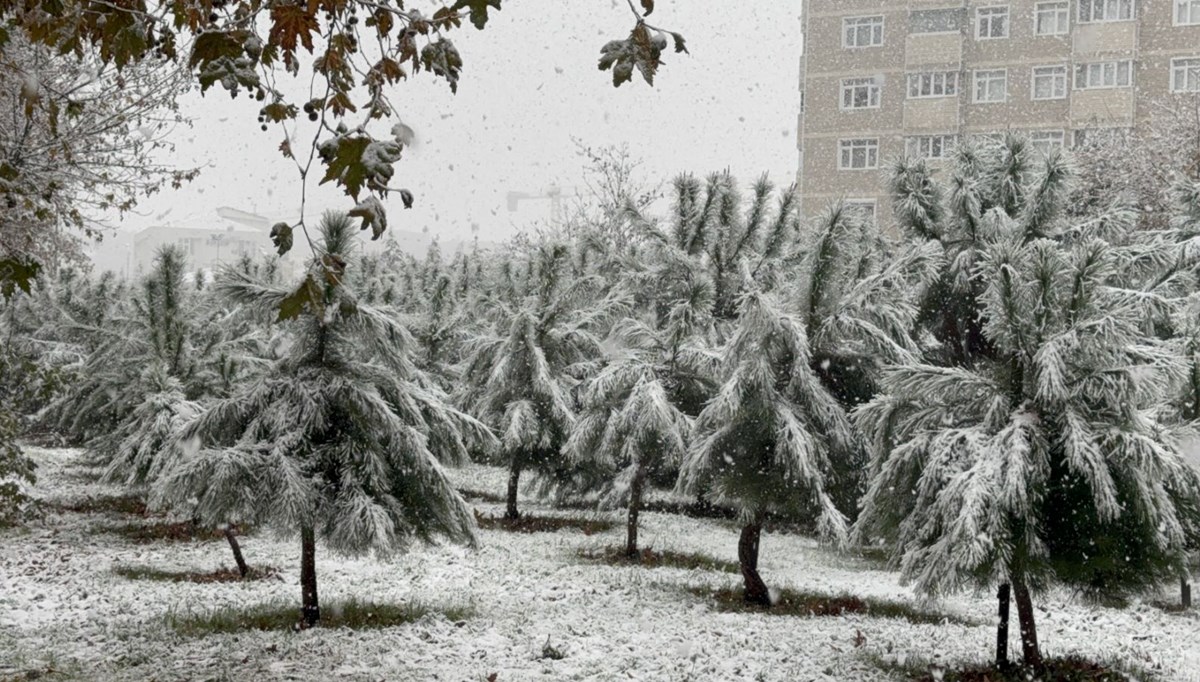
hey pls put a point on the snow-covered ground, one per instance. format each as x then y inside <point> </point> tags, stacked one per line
<point>63,608</point>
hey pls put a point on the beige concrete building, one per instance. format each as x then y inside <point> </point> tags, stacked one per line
<point>879,77</point>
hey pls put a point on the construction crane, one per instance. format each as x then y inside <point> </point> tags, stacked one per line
<point>552,193</point>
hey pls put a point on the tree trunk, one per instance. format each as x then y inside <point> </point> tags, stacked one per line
<point>1004,596</point>
<point>1185,592</point>
<point>237,550</point>
<point>310,610</point>
<point>1030,651</point>
<point>755,590</point>
<point>635,507</point>
<point>514,480</point>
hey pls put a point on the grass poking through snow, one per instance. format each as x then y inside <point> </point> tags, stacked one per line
<point>167,531</point>
<point>543,524</point>
<point>650,558</point>
<point>809,604</point>
<point>1066,669</point>
<point>280,615</point>
<point>116,504</point>
<point>220,575</point>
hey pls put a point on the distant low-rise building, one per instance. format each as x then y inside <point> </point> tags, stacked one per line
<point>231,235</point>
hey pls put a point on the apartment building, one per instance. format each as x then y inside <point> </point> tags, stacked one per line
<point>882,77</point>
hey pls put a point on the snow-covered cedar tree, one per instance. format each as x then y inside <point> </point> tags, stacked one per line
<point>343,439</point>
<point>1047,455</point>
<point>768,441</point>
<point>520,378</point>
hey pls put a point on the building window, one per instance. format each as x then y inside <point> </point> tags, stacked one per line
<point>991,22</point>
<point>1046,140</point>
<point>933,84</point>
<point>862,154</point>
<point>1052,18</point>
<point>861,209</point>
<point>930,146</point>
<point>1185,75</point>
<point>1105,10</point>
<point>862,31</point>
<point>991,86</point>
<point>1187,12</point>
<point>1050,82</point>
<point>1099,75</point>
<point>935,20</point>
<point>860,93</point>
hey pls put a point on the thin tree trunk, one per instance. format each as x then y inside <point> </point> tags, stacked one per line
<point>514,480</point>
<point>1004,596</point>
<point>635,507</point>
<point>310,610</point>
<point>755,589</point>
<point>1185,592</point>
<point>1030,651</point>
<point>237,550</point>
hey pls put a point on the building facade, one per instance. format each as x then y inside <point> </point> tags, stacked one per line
<point>880,78</point>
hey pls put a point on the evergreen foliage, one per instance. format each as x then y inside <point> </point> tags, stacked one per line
<point>1037,450</point>
<point>342,439</point>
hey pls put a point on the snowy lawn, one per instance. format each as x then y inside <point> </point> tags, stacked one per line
<point>536,609</point>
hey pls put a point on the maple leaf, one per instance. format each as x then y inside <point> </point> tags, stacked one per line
<point>443,59</point>
<point>281,236</point>
<point>373,216</point>
<point>308,294</point>
<point>16,274</point>
<point>292,22</point>
<point>641,51</point>
<point>478,9</point>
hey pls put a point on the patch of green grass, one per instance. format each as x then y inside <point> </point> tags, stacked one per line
<point>543,524</point>
<point>809,604</point>
<point>278,615</point>
<point>116,504</point>
<point>220,575</point>
<point>651,558</point>
<point>166,531</point>
<point>1066,669</point>
<point>481,496</point>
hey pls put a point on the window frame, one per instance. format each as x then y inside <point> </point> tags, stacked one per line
<point>1062,9</point>
<point>1191,75</point>
<point>946,143</point>
<point>1191,7</point>
<point>1061,137</point>
<point>1065,73</point>
<point>1005,15</point>
<point>950,81</point>
<point>1116,64</point>
<point>975,86</point>
<point>1104,5</point>
<point>848,145</point>
<point>874,92</point>
<point>846,26</point>
<point>872,204</point>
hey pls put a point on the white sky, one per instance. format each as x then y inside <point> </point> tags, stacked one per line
<point>531,83</point>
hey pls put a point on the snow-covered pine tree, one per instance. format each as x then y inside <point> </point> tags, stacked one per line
<point>520,377</point>
<point>341,440</point>
<point>634,418</point>
<point>1044,455</point>
<point>769,439</point>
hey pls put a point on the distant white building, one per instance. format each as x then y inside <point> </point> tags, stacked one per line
<point>230,236</point>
